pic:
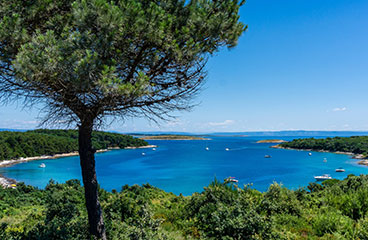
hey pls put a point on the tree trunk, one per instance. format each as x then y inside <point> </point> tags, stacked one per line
<point>87,162</point>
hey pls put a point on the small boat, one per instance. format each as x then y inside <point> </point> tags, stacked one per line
<point>267,156</point>
<point>230,179</point>
<point>154,149</point>
<point>339,170</point>
<point>143,154</point>
<point>310,154</point>
<point>325,160</point>
<point>227,149</point>
<point>323,177</point>
<point>207,148</point>
<point>42,165</point>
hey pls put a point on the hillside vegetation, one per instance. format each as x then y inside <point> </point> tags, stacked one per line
<point>334,210</point>
<point>40,142</point>
<point>355,144</point>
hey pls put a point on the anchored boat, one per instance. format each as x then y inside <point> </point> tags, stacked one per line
<point>323,177</point>
<point>230,179</point>
<point>339,170</point>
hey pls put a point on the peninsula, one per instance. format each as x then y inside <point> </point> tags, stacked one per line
<point>17,147</point>
<point>46,144</point>
<point>357,146</point>
<point>271,141</point>
<point>172,137</point>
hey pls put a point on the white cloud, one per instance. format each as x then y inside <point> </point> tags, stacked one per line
<point>224,123</point>
<point>339,109</point>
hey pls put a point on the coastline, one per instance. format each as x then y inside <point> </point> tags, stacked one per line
<point>271,141</point>
<point>360,157</point>
<point>10,183</point>
<point>147,146</point>
<point>172,137</point>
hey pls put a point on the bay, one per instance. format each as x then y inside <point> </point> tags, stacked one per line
<point>185,166</point>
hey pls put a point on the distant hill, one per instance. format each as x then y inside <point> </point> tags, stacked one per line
<point>286,133</point>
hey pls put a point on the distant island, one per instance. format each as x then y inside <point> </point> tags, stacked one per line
<point>172,137</point>
<point>271,141</point>
<point>56,143</point>
<point>355,145</point>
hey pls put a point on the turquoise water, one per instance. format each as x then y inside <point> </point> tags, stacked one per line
<point>186,167</point>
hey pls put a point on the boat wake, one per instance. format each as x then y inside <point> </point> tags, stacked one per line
<point>236,149</point>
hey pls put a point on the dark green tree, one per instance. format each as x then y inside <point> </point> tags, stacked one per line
<point>86,60</point>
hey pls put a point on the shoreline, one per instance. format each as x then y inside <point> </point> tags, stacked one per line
<point>362,160</point>
<point>147,146</point>
<point>271,141</point>
<point>172,137</point>
<point>10,183</point>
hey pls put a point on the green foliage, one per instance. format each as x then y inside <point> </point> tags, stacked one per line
<point>49,142</point>
<point>354,144</point>
<point>225,212</point>
<point>92,58</point>
<point>336,210</point>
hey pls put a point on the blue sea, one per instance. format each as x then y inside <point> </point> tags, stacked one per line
<point>185,166</point>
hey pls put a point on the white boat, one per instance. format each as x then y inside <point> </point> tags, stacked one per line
<point>323,177</point>
<point>267,156</point>
<point>227,149</point>
<point>154,149</point>
<point>143,154</point>
<point>42,165</point>
<point>207,148</point>
<point>230,179</point>
<point>310,154</point>
<point>339,170</point>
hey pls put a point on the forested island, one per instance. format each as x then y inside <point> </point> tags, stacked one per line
<point>354,144</point>
<point>334,210</point>
<point>172,137</point>
<point>15,145</point>
<point>271,141</point>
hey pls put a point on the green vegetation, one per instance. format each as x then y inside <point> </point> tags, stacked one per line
<point>355,144</point>
<point>334,210</point>
<point>172,137</point>
<point>89,61</point>
<point>49,142</point>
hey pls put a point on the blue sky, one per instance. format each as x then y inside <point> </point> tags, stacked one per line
<point>302,64</point>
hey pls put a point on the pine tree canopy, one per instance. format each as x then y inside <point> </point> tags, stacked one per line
<point>95,58</point>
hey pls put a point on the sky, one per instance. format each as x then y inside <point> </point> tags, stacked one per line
<point>301,65</point>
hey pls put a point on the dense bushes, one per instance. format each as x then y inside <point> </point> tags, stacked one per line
<point>334,210</point>
<point>355,144</point>
<point>49,142</point>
